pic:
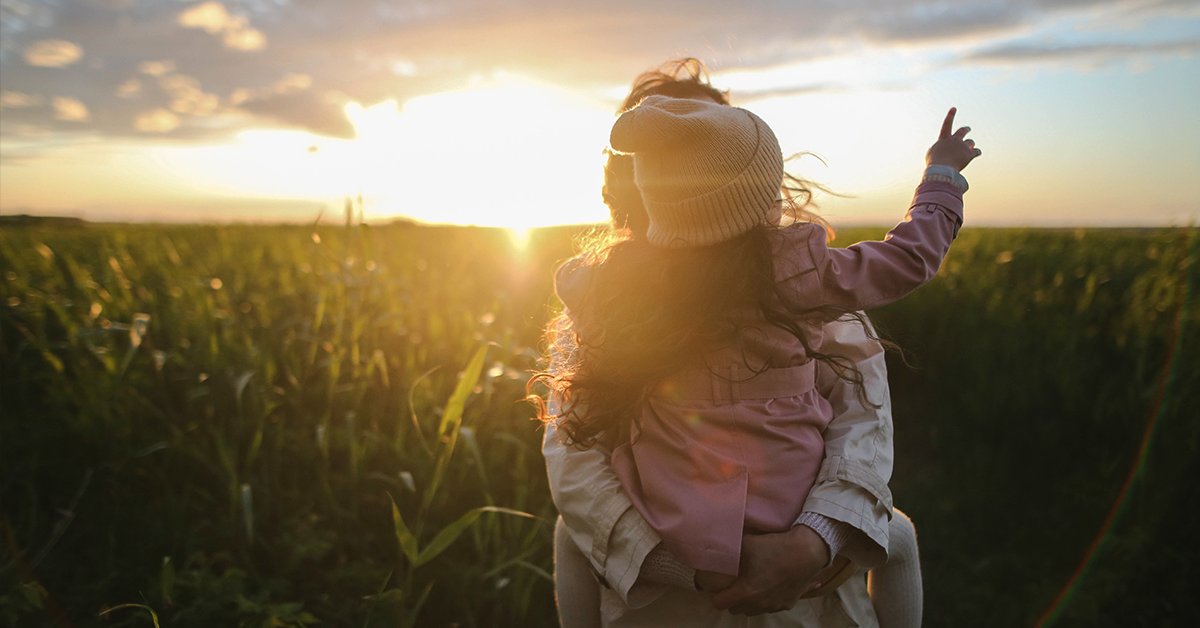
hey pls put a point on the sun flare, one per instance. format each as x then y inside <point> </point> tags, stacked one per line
<point>506,152</point>
<point>510,153</point>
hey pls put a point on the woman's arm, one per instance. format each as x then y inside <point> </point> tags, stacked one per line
<point>852,484</point>
<point>598,515</point>
<point>851,489</point>
<point>616,539</point>
<point>596,511</point>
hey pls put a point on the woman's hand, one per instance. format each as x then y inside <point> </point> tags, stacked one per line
<point>952,150</point>
<point>776,569</point>
<point>711,581</point>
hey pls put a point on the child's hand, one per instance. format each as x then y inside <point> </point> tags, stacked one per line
<point>712,581</point>
<point>952,150</point>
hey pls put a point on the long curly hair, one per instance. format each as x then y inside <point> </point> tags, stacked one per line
<point>650,312</point>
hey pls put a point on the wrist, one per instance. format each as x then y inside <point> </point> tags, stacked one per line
<point>836,534</point>
<point>949,174</point>
<point>808,546</point>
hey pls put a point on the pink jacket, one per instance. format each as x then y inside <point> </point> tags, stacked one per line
<point>722,451</point>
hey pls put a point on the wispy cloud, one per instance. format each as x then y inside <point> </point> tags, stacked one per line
<point>1019,53</point>
<point>70,109</point>
<point>17,100</point>
<point>52,53</point>
<point>234,30</point>
<point>291,63</point>
<point>156,121</point>
<point>943,20</point>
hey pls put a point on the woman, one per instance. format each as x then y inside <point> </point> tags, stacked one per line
<point>846,512</point>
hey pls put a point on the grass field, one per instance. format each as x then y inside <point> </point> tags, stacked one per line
<point>282,426</point>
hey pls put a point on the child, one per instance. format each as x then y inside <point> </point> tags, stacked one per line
<point>708,333</point>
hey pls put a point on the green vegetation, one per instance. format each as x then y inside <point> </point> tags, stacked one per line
<point>253,426</point>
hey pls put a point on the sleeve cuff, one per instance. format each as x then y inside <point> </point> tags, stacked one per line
<point>662,567</point>
<point>939,172</point>
<point>836,534</point>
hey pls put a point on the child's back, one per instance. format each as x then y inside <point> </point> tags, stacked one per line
<point>732,441</point>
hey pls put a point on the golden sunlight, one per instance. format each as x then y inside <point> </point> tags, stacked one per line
<point>507,152</point>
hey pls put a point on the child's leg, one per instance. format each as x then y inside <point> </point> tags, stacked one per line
<point>895,587</point>
<point>575,589</point>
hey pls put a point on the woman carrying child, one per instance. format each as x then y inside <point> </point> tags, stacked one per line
<point>695,351</point>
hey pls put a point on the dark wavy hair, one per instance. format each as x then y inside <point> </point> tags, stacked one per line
<point>649,311</point>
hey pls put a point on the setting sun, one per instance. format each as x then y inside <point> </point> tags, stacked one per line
<point>507,152</point>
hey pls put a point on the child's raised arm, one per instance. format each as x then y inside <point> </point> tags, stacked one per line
<point>871,274</point>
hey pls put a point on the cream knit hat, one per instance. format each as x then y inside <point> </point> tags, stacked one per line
<point>707,172</point>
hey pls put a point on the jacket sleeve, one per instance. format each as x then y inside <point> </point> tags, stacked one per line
<point>598,514</point>
<point>851,486</point>
<point>874,273</point>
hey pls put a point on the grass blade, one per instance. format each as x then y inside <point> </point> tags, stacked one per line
<point>153,615</point>
<point>450,533</point>
<point>451,419</point>
<point>413,411</point>
<point>458,400</point>
<point>411,620</point>
<point>408,542</point>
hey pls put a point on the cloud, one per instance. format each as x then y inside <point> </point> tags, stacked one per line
<point>129,89</point>
<point>321,114</point>
<point>187,96</point>
<point>292,83</point>
<point>209,59</point>
<point>240,95</point>
<point>112,5</point>
<point>245,39</point>
<point>211,16</point>
<point>1017,53</point>
<point>745,96</point>
<point>1177,8</point>
<point>925,22</point>
<point>156,68</point>
<point>156,121</point>
<point>52,53</point>
<point>214,19</point>
<point>69,109</point>
<point>17,100</point>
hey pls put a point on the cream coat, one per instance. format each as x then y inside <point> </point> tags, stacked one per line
<point>851,487</point>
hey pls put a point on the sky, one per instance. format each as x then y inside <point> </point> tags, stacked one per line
<point>496,112</point>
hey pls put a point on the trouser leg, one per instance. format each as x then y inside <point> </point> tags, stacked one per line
<point>575,589</point>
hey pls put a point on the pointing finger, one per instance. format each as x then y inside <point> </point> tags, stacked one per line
<point>948,123</point>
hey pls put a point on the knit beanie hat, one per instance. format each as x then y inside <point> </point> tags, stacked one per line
<point>707,172</point>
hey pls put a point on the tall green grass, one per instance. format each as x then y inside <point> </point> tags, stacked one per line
<point>237,409</point>
<point>287,426</point>
<point>1043,362</point>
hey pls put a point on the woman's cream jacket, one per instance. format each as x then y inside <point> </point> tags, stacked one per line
<point>851,487</point>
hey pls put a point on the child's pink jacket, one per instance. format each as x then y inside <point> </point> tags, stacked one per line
<point>722,451</point>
